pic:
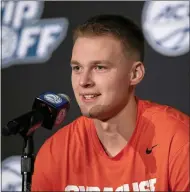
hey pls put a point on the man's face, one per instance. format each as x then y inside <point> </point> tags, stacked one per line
<point>100,76</point>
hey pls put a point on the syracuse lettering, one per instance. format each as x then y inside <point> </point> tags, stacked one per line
<point>148,185</point>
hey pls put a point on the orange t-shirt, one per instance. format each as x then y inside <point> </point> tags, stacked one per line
<point>155,159</point>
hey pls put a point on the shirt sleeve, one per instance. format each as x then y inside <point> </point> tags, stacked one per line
<point>179,170</point>
<point>42,176</point>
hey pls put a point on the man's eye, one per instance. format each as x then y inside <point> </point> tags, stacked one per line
<point>75,68</point>
<point>99,67</point>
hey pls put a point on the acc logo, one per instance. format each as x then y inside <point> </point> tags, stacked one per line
<point>166,26</point>
<point>26,38</point>
<point>55,99</point>
<point>11,177</point>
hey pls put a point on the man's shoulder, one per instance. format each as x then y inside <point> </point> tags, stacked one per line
<point>69,132</point>
<point>66,138</point>
<point>166,123</point>
<point>163,114</point>
<point>78,125</point>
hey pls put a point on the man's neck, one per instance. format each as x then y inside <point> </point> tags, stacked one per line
<point>115,133</point>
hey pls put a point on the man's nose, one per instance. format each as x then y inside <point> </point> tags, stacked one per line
<point>86,79</point>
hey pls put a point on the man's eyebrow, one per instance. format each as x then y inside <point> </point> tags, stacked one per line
<point>100,62</point>
<point>95,62</point>
<point>73,62</point>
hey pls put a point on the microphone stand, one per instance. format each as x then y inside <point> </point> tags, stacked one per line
<point>28,158</point>
<point>27,163</point>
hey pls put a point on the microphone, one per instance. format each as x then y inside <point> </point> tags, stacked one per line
<point>48,110</point>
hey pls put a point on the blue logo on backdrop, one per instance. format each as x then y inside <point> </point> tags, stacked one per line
<point>25,37</point>
<point>166,26</point>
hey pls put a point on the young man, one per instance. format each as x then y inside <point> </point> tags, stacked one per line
<point>121,143</point>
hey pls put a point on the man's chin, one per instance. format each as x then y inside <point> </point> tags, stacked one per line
<point>88,114</point>
<point>97,112</point>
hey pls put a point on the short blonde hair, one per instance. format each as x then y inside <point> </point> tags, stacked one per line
<point>119,27</point>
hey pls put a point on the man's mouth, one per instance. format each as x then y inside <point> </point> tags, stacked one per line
<point>89,97</point>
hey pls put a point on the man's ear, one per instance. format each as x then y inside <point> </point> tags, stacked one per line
<point>137,73</point>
